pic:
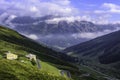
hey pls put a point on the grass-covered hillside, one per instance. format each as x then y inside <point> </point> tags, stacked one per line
<point>14,70</point>
<point>24,69</point>
<point>51,63</point>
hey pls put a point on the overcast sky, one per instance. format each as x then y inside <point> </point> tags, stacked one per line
<point>103,10</point>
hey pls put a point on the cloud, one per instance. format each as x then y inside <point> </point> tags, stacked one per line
<point>113,8</point>
<point>109,8</point>
<point>38,7</point>
<point>62,2</point>
<point>34,9</point>
<point>99,20</point>
<point>110,5</point>
<point>32,36</point>
<point>69,19</point>
<point>87,35</point>
<point>83,35</point>
<point>92,35</point>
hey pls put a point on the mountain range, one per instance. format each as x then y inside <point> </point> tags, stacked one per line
<point>57,32</point>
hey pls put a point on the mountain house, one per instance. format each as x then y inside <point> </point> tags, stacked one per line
<point>11,56</point>
<point>31,56</point>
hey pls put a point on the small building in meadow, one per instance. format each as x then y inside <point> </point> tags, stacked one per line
<point>11,56</point>
<point>31,56</point>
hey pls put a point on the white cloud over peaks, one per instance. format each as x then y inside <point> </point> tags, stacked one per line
<point>32,36</point>
<point>38,7</point>
<point>104,19</point>
<point>70,19</point>
<point>91,35</point>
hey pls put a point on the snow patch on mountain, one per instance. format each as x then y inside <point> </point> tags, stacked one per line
<point>68,19</point>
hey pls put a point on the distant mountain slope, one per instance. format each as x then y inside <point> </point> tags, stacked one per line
<point>100,52</point>
<point>105,47</point>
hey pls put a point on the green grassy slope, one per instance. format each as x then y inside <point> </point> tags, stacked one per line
<point>14,70</point>
<point>12,41</point>
<point>51,63</point>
